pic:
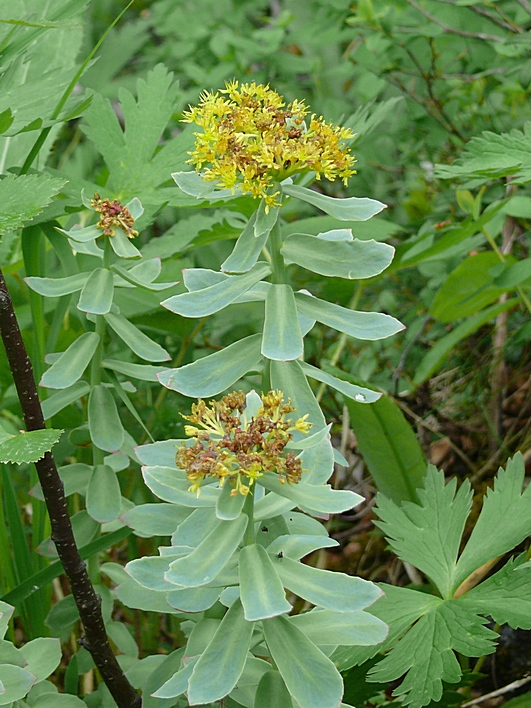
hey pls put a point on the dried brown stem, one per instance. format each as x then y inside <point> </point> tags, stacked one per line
<point>87,601</point>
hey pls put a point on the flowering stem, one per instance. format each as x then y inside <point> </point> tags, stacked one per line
<point>248,509</point>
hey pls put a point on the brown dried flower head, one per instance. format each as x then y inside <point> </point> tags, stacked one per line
<point>113,215</point>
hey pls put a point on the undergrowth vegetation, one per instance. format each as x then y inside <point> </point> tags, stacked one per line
<point>265,411</point>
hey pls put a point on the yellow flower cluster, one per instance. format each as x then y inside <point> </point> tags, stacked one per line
<point>250,140</point>
<point>229,447</point>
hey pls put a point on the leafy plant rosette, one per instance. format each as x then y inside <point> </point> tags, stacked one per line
<point>426,629</point>
<point>236,549</point>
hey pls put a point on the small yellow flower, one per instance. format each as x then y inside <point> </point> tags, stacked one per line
<point>252,140</point>
<point>231,448</point>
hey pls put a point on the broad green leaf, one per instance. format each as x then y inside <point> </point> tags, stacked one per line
<point>202,566</point>
<point>229,506</point>
<point>221,664</point>
<point>64,398</point>
<point>160,453</point>
<point>428,534</point>
<point>16,682</point>
<point>352,260</point>
<point>514,274</point>
<point>246,250</point>
<point>282,338</point>
<point>433,360</point>
<point>144,372</point>
<point>97,294</point>
<point>214,298</point>
<point>326,627</point>
<point>351,209</point>
<point>137,341</point>
<point>104,499</point>
<point>23,197</point>
<point>310,676</point>
<point>505,596</point>
<point>193,599</point>
<point>217,372</point>
<point>43,656</point>
<point>261,590</point>
<point>298,546</point>
<point>324,588</point>
<point>361,325</point>
<point>271,691</point>
<point>82,234</point>
<point>357,393</point>
<point>319,498</point>
<point>195,528</point>
<point>106,430</point>
<point>29,447</point>
<point>140,598</point>
<point>165,484</point>
<point>389,447</point>
<point>504,521</point>
<point>56,287</point>
<point>468,289</point>
<point>58,700</point>
<point>155,519</point>
<point>122,245</point>
<point>178,683</point>
<point>71,364</point>
<point>149,571</point>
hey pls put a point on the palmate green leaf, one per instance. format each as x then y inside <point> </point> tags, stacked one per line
<point>29,447</point>
<point>490,156</point>
<point>261,590</point>
<point>351,209</point>
<point>428,534</point>
<point>24,197</point>
<point>217,372</point>
<point>343,259</point>
<point>221,664</point>
<point>310,676</point>
<point>504,521</point>
<point>282,338</point>
<point>361,325</point>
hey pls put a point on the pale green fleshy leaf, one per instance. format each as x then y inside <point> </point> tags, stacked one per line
<point>350,209</point>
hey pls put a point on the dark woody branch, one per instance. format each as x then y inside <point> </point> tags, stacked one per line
<point>87,601</point>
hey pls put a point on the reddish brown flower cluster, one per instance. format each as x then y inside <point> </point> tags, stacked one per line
<point>231,447</point>
<point>113,215</point>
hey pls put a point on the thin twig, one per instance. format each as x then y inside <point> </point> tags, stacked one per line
<point>506,24</point>
<point>499,692</point>
<point>454,30</point>
<point>87,601</point>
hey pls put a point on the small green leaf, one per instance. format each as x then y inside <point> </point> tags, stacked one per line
<point>217,372</point>
<point>122,246</point>
<point>361,325</point>
<point>165,483</point>
<point>229,506</point>
<point>357,393</point>
<point>43,656</point>
<point>97,294</point>
<point>271,691</point>
<point>214,298</point>
<point>326,627</point>
<point>29,447</point>
<point>351,209</point>
<point>201,566</point>
<point>324,588</point>
<point>193,184</point>
<point>24,197</point>
<point>193,599</point>
<point>178,683</point>
<point>247,249</point>
<point>144,372</point>
<point>155,519</point>
<point>221,664</point>
<point>56,287</point>
<point>261,590</point>
<point>16,682</point>
<point>64,398</point>
<point>352,260</point>
<point>317,497</point>
<point>137,341</point>
<point>106,430</point>
<point>71,364</point>
<point>6,119</point>
<point>310,676</point>
<point>104,499</point>
<point>282,338</point>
